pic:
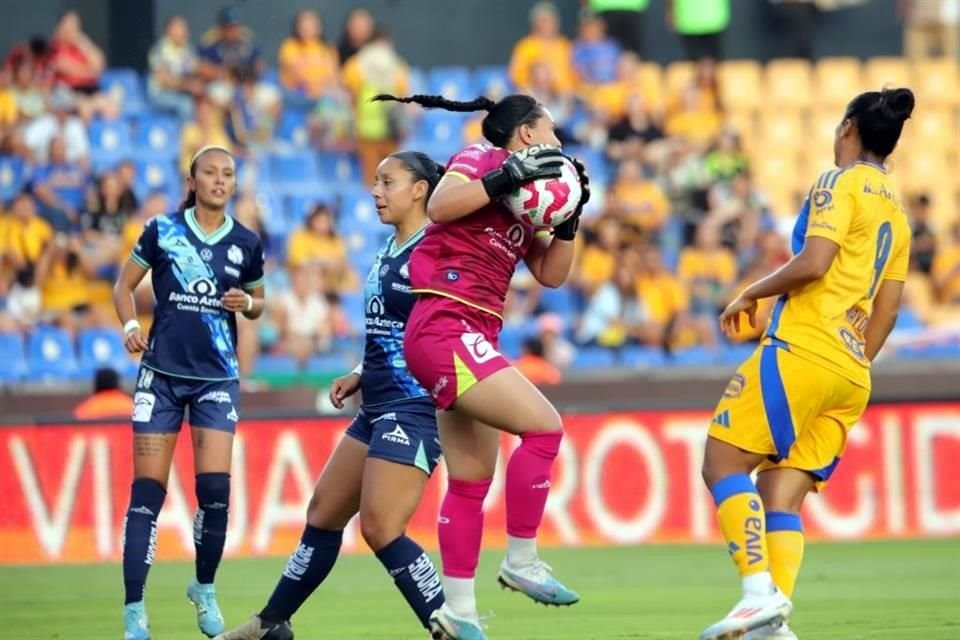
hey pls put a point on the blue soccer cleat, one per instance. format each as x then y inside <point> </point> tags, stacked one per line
<point>444,625</point>
<point>204,598</point>
<point>135,625</point>
<point>534,581</point>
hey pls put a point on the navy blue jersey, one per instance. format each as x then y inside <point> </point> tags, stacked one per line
<point>388,303</point>
<point>192,335</point>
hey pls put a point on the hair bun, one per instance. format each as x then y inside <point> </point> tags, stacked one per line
<point>897,104</point>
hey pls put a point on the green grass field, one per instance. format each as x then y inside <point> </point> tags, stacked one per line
<point>887,591</point>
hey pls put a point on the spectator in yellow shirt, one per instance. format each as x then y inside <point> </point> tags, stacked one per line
<point>308,65</point>
<point>708,270</point>
<point>544,44</point>
<point>662,293</point>
<point>9,112</point>
<point>946,270</point>
<point>598,260</point>
<point>639,200</point>
<point>63,275</point>
<point>206,129</point>
<point>317,243</point>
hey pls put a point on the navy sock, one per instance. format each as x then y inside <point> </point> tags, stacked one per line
<point>210,523</point>
<point>307,568</point>
<point>415,575</point>
<point>140,535</point>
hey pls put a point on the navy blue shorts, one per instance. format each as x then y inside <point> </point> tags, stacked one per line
<point>160,401</point>
<point>403,432</point>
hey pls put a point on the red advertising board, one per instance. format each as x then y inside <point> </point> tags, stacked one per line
<point>623,478</point>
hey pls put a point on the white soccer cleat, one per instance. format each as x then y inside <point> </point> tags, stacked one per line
<point>751,613</point>
<point>772,632</point>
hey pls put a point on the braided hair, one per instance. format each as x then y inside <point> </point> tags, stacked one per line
<point>503,117</point>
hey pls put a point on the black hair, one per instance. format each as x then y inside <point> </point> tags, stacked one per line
<point>105,379</point>
<point>533,346</point>
<point>879,116</point>
<point>191,199</point>
<point>422,167</point>
<point>503,117</point>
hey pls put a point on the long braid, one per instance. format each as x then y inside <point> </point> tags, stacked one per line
<point>481,103</point>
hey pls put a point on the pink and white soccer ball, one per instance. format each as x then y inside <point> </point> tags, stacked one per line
<point>547,202</point>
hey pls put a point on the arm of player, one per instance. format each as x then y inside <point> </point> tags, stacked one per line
<point>250,302</point>
<point>807,266</point>
<point>130,277</point>
<point>550,260</point>
<point>886,303</point>
<point>456,197</point>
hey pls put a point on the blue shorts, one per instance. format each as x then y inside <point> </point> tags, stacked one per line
<point>160,401</point>
<point>403,432</point>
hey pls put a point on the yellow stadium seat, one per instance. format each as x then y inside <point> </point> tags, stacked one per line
<point>836,80</point>
<point>740,86</point>
<point>745,124</point>
<point>887,72</point>
<point>931,128</point>
<point>924,171</point>
<point>936,81</point>
<point>679,75</point>
<point>785,129</point>
<point>789,83</point>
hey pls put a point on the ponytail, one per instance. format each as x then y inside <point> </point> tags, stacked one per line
<point>503,117</point>
<point>189,201</point>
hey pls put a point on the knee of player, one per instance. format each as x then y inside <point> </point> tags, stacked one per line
<point>379,529</point>
<point>213,489</point>
<point>547,420</point>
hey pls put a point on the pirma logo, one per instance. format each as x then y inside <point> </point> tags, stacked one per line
<point>479,347</point>
<point>397,436</point>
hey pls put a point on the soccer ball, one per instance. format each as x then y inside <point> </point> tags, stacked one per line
<point>547,202</point>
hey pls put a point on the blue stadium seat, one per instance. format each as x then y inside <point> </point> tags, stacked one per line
<point>511,340</point>
<point>694,356</point>
<point>439,150</point>
<point>594,358</point>
<point>270,75</point>
<point>418,80</point>
<point>595,162</point>
<point>160,134</point>
<point>642,357</point>
<point>737,353</point>
<point>492,81</point>
<point>51,355</point>
<point>357,212</point>
<point>275,365</point>
<point>908,319</point>
<point>329,364</point>
<point>292,128</point>
<point>13,358</point>
<point>349,347</point>
<point>442,126</point>
<point>104,348</point>
<point>561,301</point>
<point>110,141</point>
<point>295,172</point>
<point>451,82</point>
<point>339,167</point>
<point>155,173</point>
<point>125,86</point>
<point>12,177</point>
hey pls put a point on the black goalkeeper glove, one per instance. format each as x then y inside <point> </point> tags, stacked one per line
<point>567,230</point>
<point>521,167</point>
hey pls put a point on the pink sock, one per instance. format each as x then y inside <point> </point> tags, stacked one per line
<point>461,526</point>
<point>528,481</point>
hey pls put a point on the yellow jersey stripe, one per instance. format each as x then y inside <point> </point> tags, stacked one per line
<point>444,294</point>
<point>457,174</point>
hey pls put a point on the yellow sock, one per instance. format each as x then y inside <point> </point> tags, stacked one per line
<point>742,522</point>
<point>785,546</point>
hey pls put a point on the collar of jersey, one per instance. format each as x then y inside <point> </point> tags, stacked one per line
<point>190,215</point>
<point>393,250</point>
<point>878,167</point>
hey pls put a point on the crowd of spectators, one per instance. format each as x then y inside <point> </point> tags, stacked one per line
<point>685,214</point>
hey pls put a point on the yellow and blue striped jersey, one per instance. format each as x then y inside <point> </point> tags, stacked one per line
<point>857,208</point>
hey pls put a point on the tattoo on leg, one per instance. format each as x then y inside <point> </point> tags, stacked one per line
<point>149,445</point>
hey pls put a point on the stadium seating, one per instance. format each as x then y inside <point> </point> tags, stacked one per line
<point>329,364</point>
<point>159,134</point>
<point>104,348</point>
<point>642,357</point>
<point>51,355</point>
<point>276,365</point>
<point>124,86</point>
<point>13,358</point>
<point>695,356</point>
<point>12,176</point>
<point>451,82</point>
<point>110,142</point>
<point>594,358</point>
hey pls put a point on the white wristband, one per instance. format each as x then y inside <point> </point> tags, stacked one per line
<point>131,325</point>
<point>249,302</point>
<point>358,369</point>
